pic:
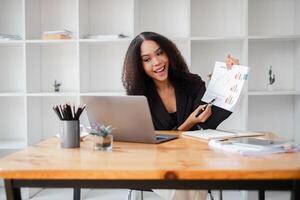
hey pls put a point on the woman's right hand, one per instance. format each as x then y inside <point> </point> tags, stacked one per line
<point>206,113</point>
<point>192,120</point>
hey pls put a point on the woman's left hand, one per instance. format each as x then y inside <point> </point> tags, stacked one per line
<point>230,61</point>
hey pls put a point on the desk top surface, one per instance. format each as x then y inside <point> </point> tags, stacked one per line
<point>183,158</point>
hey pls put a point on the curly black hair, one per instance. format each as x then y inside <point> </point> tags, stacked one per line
<point>134,78</point>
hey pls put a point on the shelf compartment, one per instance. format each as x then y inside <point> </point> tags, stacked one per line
<point>283,56</point>
<point>184,48</point>
<point>206,53</point>
<point>42,121</point>
<point>50,15</point>
<point>217,18</point>
<point>101,67</point>
<point>269,17</point>
<point>12,76</point>
<point>171,18</point>
<point>12,121</point>
<point>273,93</point>
<point>12,18</point>
<point>49,62</point>
<point>270,114</point>
<point>106,17</point>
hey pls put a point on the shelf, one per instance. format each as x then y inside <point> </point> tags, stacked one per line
<point>103,94</point>
<point>52,94</point>
<point>12,144</point>
<point>225,38</point>
<point>72,41</point>
<point>279,92</point>
<point>11,42</point>
<point>12,94</point>
<point>86,41</point>
<point>260,33</point>
<point>274,37</point>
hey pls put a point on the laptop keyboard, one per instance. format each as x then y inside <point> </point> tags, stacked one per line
<point>161,137</point>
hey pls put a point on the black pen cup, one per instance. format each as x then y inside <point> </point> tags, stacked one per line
<point>70,134</point>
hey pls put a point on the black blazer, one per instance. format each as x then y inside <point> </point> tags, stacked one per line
<point>188,98</point>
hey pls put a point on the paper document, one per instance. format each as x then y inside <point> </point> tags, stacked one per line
<point>210,134</point>
<point>253,150</point>
<point>226,85</point>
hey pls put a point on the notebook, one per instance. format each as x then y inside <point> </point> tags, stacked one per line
<point>210,134</point>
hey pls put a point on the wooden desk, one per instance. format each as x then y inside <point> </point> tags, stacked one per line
<point>182,164</point>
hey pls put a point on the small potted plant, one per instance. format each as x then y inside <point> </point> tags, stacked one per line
<point>103,138</point>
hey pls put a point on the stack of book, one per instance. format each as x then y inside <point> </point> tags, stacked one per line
<point>57,35</point>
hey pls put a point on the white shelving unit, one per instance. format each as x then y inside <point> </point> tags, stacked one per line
<point>261,33</point>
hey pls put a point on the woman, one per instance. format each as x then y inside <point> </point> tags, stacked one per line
<point>155,68</point>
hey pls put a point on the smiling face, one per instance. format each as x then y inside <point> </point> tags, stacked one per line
<point>155,61</point>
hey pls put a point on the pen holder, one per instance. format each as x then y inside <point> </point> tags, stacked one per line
<point>70,134</point>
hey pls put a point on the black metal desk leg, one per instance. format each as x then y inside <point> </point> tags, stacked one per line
<point>76,194</point>
<point>261,194</point>
<point>11,192</point>
<point>296,191</point>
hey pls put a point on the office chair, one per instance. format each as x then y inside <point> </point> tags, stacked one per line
<point>142,194</point>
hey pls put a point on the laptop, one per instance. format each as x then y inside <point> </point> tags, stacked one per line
<point>128,115</point>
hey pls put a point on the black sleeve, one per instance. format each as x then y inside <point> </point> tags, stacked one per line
<point>218,114</point>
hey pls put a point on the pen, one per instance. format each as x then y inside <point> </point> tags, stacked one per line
<point>55,108</point>
<point>62,112</point>
<point>68,112</point>
<point>201,110</point>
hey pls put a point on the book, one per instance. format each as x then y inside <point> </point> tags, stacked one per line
<point>210,134</point>
<point>62,32</point>
<point>105,37</point>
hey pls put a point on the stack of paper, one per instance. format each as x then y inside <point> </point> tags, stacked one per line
<point>56,35</point>
<point>254,148</point>
<point>9,37</point>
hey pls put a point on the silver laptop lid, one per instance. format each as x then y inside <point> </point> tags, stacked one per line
<point>128,115</point>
